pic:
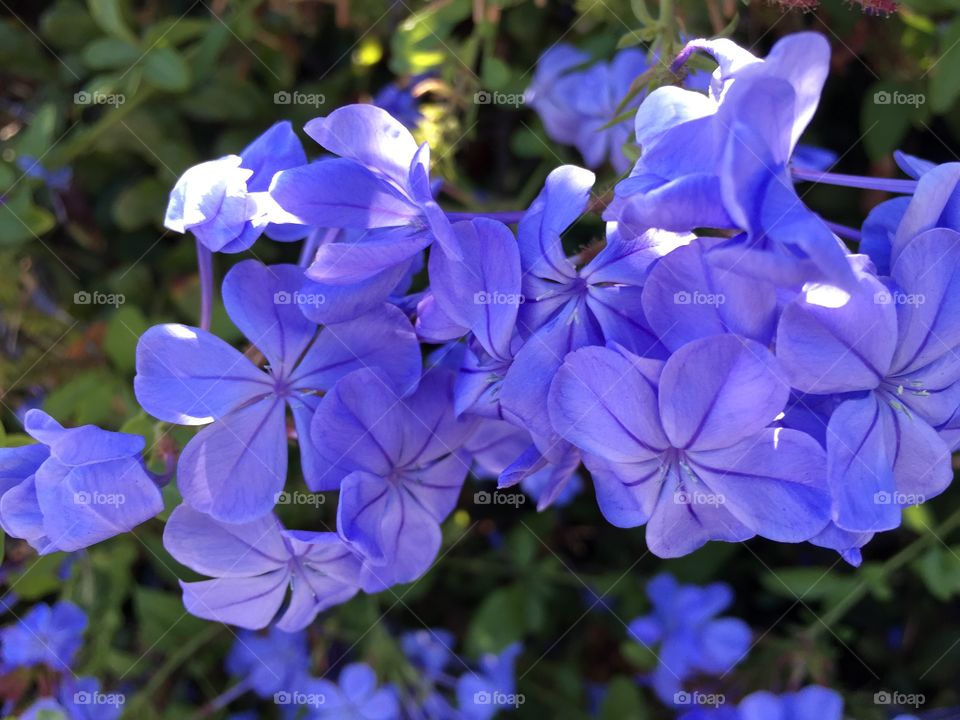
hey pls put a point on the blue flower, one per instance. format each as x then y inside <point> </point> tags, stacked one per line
<point>429,650</point>
<point>692,640</point>
<point>492,688</point>
<point>397,463</point>
<point>355,696</point>
<point>722,161</point>
<point>75,487</point>
<point>253,565</point>
<point>686,446</point>
<point>224,202</point>
<point>46,635</point>
<point>269,663</point>
<point>886,355</point>
<point>236,466</point>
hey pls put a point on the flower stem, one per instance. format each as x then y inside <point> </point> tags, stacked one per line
<point>843,231</point>
<point>903,187</point>
<point>906,555</point>
<point>205,269</point>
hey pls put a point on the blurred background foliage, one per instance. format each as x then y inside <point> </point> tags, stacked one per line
<point>103,103</point>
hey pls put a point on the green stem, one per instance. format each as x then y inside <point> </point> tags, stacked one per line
<point>173,662</point>
<point>906,555</point>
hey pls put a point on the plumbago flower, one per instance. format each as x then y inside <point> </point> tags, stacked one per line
<point>692,640</point>
<point>254,564</point>
<point>722,161</point>
<point>576,106</point>
<point>810,703</point>
<point>47,635</point>
<point>686,446</point>
<point>399,467</point>
<point>483,693</point>
<point>75,487</point>
<point>224,202</point>
<point>889,357</point>
<point>355,696</point>
<point>78,699</point>
<point>234,468</point>
<point>269,663</point>
<point>381,180</point>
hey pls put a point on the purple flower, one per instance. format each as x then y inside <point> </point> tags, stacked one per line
<point>46,635</point>
<point>575,106</point>
<point>355,696</point>
<point>811,703</point>
<point>82,699</point>
<point>492,688</point>
<point>398,465</point>
<point>692,639</point>
<point>224,202</point>
<point>271,662</point>
<point>430,650</point>
<point>568,307</point>
<point>380,180</point>
<point>76,487</point>
<point>254,564</point>
<point>888,354</point>
<point>685,446</point>
<point>235,467</point>
<point>721,161</point>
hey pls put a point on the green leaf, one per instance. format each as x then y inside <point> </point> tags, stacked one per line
<point>161,620</point>
<point>887,113</point>
<point>140,205</point>
<point>108,53</point>
<point>499,621</point>
<point>108,14</point>
<point>40,577</point>
<point>623,701</point>
<point>165,69</point>
<point>21,220</point>
<point>809,583</point>
<point>423,40</point>
<point>945,73</point>
<point>939,568</point>
<point>124,329</point>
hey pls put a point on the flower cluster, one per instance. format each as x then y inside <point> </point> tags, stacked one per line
<point>723,364</point>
